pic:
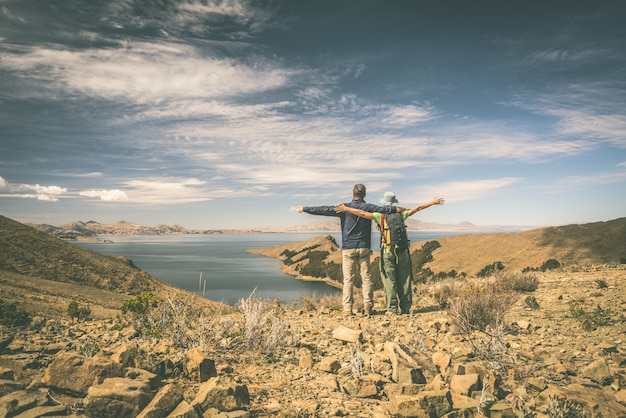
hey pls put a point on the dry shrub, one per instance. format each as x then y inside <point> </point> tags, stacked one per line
<point>313,302</point>
<point>479,305</point>
<point>445,290</point>
<point>264,327</point>
<point>518,282</point>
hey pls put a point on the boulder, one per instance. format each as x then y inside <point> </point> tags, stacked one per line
<point>19,401</point>
<point>305,358</point>
<point>8,386</point>
<point>223,394</point>
<point>598,371</point>
<point>74,373</point>
<point>165,401</point>
<point>150,378</point>
<point>464,384</point>
<point>347,334</point>
<point>117,397</point>
<point>184,410</point>
<point>596,402</point>
<point>126,355</point>
<point>6,374</point>
<point>198,365</point>
<point>442,361</point>
<point>424,404</point>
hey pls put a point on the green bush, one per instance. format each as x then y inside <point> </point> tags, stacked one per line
<point>79,312</point>
<point>491,269</point>
<point>550,264</point>
<point>423,256</point>
<point>531,302</point>
<point>316,266</point>
<point>12,315</point>
<point>139,310</point>
<point>598,317</point>
<point>602,284</point>
<point>140,304</point>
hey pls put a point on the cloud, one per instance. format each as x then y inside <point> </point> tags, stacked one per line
<point>402,116</point>
<point>106,195</point>
<point>169,191</point>
<point>143,72</point>
<point>592,112</point>
<point>44,193</point>
<point>596,179</point>
<point>611,128</point>
<point>459,191</point>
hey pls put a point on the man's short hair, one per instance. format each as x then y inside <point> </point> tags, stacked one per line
<point>359,190</point>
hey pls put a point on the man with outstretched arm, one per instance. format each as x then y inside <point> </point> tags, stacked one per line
<point>356,245</point>
<point>395,258</point>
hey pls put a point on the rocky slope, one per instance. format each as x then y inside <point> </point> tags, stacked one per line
<point>45,273</point>
<point>329,364</point>
<point>553,349</point>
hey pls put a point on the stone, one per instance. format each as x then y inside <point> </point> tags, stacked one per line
<point>464,384</point>
<point>328,365</point>
<point>198,365</point>
<point>223,394</point>
<point>19,401</point>
<point>347,334</point>
<point>6,374</point>
<point>305,358</point>
<point>5,339</point>
<point>126,355</point>
<point>425,404</point>
<point>8,386</point>
<point>501,409</point>
<point>44,411</point>
<point>404,374</point>
<point>598,371</point>
<point>165,401</point>
<point>536,383</point>
<point>595,401</point>
<point>72,372</point>
<point>184,410</point>
<point>442,361</point>
<point>117,397</point>
<point>150,378</point>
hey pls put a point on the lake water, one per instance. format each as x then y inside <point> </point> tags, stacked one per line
<point>218,267</point>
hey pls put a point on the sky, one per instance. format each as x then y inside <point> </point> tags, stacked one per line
<point>229,114</point>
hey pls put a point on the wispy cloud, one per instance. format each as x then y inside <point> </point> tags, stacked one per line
<point>106,195</point>
<point>459,191</point>
<point>143,72</point>
<point>401,116</point>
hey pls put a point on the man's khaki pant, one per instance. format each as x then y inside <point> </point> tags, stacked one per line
<point>353,259</point>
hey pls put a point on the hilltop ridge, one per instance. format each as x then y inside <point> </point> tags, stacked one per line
<point>80,230</point>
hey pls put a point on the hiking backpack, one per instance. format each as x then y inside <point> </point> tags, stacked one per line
<point>394,232</point>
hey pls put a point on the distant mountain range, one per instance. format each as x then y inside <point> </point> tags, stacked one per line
<point>91,229</point>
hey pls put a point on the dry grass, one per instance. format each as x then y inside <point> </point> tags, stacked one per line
<point>587,244</point>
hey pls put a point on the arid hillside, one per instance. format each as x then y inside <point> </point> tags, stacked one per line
<point>541,344</point>
<point>46,273</point>
<point>571,245</point>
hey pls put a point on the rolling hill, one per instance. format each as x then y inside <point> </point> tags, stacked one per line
<point>46,272</point>
<point>572,245</point>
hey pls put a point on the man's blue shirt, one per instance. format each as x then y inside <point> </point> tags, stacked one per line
<point>356,232</point>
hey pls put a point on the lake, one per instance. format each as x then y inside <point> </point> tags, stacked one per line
<point>218,267</point>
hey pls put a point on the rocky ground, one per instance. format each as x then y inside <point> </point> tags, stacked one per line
<point>546,361</point>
